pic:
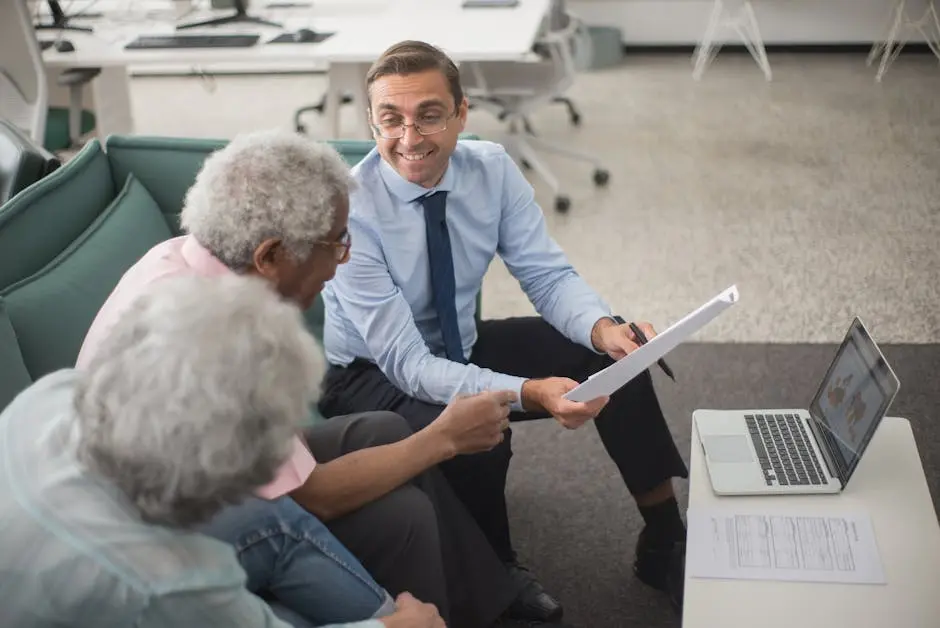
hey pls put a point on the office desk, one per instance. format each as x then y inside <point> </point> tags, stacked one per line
<point>477,34</point>
<point>890,486</point>
<point>104,48</point>
<point>361,35</point>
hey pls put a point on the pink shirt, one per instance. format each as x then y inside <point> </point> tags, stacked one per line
<point>173,258</point>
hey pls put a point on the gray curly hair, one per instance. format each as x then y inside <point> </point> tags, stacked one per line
<point>265,184</point>
<point>194,398</point>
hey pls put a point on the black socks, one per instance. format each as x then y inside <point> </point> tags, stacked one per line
<point>663,522</point>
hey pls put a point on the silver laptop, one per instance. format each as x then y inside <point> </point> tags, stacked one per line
<point>757,452</point>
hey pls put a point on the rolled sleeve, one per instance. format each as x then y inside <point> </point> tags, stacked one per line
<point>292,473</point>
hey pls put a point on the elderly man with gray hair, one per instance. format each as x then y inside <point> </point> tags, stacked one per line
<point>189,405</point>
<point>275,205</point>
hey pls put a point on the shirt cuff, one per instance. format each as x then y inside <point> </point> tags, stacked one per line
<point>585,326</point>
<point>510,382</point>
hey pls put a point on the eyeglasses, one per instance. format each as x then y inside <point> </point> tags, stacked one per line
<point>428,124</point>
<point>340,247</point>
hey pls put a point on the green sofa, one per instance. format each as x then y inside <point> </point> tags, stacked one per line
<point>66,241</point>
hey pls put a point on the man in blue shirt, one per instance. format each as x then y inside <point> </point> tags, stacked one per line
<point>429,215</point>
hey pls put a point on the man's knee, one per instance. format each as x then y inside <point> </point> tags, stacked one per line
<point>409,518</point>
<point>371,429</point>
<point>399,525</point>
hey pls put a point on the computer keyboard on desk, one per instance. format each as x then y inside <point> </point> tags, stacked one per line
<point>149,42</point>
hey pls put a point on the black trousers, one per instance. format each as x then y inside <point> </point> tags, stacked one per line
<point>632,426</point>
<point>418,538</point>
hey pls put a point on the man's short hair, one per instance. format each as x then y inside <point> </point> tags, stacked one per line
<point>413,57</point>
<point>266,184</point>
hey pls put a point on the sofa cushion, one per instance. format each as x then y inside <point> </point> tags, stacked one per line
<point>52,310</point>
<point>166,165</point>
<point>37,224</point>
<point>13,374</point>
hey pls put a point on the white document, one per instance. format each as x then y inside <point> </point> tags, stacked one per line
<point>746,545</point>
<point>608,381</point>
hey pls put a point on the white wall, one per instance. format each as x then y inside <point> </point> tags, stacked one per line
<point>781,21</point>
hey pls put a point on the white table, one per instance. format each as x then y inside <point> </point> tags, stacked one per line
<point>478,34</point>
<point>361,35</point>
<point>890,486</point>
<point>105,49</point>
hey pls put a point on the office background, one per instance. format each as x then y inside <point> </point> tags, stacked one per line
<point>817,193</point>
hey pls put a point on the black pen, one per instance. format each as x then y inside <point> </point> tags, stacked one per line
<point>641,340</point>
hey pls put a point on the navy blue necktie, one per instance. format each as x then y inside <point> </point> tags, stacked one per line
<point>441,261</point>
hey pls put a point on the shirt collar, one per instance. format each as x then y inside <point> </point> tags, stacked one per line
<point>406,190</point>
<point>201,260</point>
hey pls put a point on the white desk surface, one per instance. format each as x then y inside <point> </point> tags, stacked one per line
<point>477,34</point>
<point>105,47</point>
<point>890,486</point>
<point>362,33</point>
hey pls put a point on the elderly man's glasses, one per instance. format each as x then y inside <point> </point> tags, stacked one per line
<point>393,127</point>
<point>340,247</point>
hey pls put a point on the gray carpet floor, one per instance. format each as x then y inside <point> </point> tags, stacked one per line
<point>818,194</point>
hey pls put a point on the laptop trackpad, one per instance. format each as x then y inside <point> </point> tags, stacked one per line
<point>727,448</point>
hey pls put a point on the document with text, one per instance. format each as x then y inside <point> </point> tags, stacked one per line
<point>743,545</point>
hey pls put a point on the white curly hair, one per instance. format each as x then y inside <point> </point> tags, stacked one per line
<point>194,398</point>
<point>265,184</point>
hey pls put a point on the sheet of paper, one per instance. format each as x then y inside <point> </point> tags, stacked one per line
<point>793,546</point>
<point>612,378</point>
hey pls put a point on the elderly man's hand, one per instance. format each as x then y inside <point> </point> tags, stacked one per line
<point>475,423</point>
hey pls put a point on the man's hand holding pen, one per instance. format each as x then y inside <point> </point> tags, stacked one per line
<point>617,338</point>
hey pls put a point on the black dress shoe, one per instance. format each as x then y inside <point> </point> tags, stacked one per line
<point>661,566</point>
<point>533,603</point>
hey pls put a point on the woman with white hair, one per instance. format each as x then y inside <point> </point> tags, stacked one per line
<point>188,406</point>
<point>275,205</point>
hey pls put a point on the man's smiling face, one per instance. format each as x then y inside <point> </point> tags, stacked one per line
<point>423,99</point>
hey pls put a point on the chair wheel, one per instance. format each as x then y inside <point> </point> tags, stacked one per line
<point>601,177</point>
<point>562,204</point>
<point>576,119</point>
<point>525,164</point>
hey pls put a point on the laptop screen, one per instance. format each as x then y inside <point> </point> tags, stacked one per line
<point>853,398</point>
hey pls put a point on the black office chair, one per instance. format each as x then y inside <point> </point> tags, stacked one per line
<point>22,161</point>
<point>318,108</point>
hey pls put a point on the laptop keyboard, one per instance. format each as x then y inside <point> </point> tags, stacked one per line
<point>784,451</point>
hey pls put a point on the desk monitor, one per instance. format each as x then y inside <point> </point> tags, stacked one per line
<point>60,21</point>
<point>241,17</point>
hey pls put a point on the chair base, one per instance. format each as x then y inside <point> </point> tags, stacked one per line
<point>523,146</point>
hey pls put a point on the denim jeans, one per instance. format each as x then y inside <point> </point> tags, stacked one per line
<point>294,561</point>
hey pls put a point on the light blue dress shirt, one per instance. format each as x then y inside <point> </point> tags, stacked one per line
<point>379,306</point>
<point>74,551</point>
